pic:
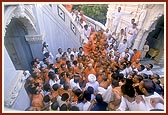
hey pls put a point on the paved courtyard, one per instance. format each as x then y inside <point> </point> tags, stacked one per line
<point>158,67</point>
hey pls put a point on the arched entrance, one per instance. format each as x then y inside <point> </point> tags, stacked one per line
<point>156,39</point>
<point>17,46</point>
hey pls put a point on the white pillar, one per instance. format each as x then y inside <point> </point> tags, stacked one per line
<point>35,42</point>
<point>13,89</point>
<point>138,39</point>
<point>141,45</point>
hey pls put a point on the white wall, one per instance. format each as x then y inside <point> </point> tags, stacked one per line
<point>9,72</point>
<point>22,101</point>
<point>11,89</point>
<point>57,32</point>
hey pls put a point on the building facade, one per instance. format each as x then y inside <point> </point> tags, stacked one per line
<point>27,26</point>
<point>150,23</point>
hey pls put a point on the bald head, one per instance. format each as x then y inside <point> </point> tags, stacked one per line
<point>90,66</point>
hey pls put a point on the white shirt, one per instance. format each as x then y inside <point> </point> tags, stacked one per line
<point>75,54</point>
<point>45,50</point>
<point>51,58</point>
<point>82,53</point>
<point>73,84</point>
<point>124,73</point>
<point>123,55</point>
<point>107,34</point>
<point>83,24</point>
<point>128,27</point>
<point>128,70</point>
<point>59,55</point>
<point>117,16</point>
<point>95,85</point>
<point>142,72</point>
<point>87,32</point>
<point>51,82</point>
<point>60,102</point>
<point>149,72</point>
<point>122,47</point>
<point>131,106</point>
<point>83,106</point>
<point>147,100</point>
<point>134,32</point>
<point>109,40</point>
<point>69,54</point>
<point>76,18</point>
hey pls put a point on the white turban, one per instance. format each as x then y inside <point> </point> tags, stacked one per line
<point>91,78</point>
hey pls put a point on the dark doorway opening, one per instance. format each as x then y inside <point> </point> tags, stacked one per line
<point>17,46</point>
<point>155,39</point>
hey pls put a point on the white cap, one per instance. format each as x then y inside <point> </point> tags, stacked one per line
<point>91,78</point>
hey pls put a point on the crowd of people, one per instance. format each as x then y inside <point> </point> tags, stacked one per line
<point>105,74</point>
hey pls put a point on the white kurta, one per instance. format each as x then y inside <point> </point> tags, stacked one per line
<point>148,101</point>
<point>131,35</point>
<point>83,106</point>
<point>131,106</point>
<point>122,47</point>
<point>116,16</point>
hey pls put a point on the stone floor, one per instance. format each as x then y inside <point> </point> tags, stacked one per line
<point>158,67</point>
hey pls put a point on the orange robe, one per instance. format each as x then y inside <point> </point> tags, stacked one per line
<point>76,69</point>
<point>87,49</point>
<point>137,55</point>
<point>135,65</point>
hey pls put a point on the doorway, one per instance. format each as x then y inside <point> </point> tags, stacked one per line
<point>156,40</point>
<point>17,46</point>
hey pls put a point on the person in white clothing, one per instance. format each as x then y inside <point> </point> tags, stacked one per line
<point>121,36</point>
<point>59,54</point>
<point>109,40</point>
<point>84,101</point>
<point>141,70</point>
<point>126,52</point>
<point>129,101</point>
<point>87,31</point>
<point>130,25</point>
<point>53,79</point>
<point>75,53</point>
<point>149,69</point>
<point>131,34</point>
<point>144,50</point>
<point>75,82</point>
<point>76,17</point>
<point>122,46</point>
<point>116,17</point>
<point>152,99</point>
<point>81,52</point>
<point>45,48</point>
<point>107,33</point>
<point>62,99</point>
<point>92,82</point>
<point>123,70</point>
<point>69,52</point>
<point>128,68</point>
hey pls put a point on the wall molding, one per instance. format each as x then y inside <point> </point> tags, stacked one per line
<point>34,38</point>
<point>22,12</point>
<point>15,88</point>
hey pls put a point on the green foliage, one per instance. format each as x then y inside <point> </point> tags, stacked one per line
<point>95,11</point>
